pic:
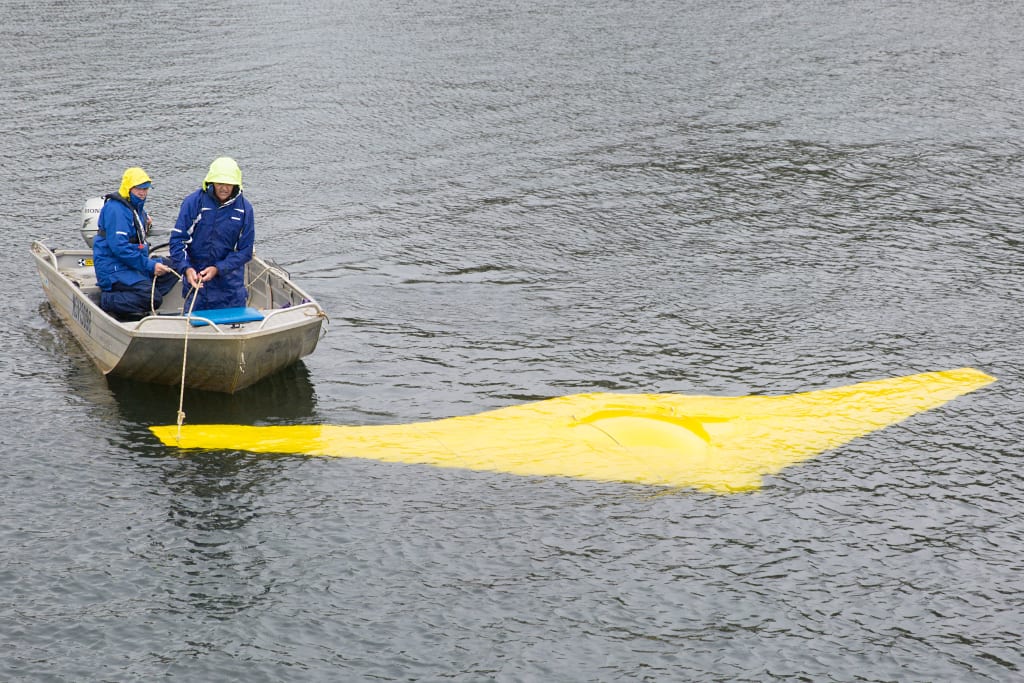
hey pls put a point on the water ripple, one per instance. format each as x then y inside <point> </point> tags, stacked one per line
<point>501,204</point>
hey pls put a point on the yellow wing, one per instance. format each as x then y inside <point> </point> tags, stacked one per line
<point>720,444</point>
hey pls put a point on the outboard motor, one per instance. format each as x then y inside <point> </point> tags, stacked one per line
<point>90,218</point>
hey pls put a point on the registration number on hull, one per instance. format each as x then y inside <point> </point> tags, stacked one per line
<point>80,312</point>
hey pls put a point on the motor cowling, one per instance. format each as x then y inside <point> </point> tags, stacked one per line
<point>90,218</point>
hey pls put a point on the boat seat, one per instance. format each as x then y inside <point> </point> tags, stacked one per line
<point>225,316</point>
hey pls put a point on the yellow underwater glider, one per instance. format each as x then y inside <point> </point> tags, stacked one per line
<point>720,444</point>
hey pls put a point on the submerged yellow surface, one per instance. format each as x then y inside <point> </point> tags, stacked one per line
<point>720,444</point>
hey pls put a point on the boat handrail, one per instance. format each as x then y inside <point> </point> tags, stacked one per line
<point>151,318</point>
<point>38,246</point>
<point>267,315</point>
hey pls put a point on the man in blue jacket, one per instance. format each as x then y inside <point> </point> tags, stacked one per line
<point>213,238</point>
<point>120,253</point>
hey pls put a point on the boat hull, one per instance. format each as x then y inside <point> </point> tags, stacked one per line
<point>213,364</point>
<point>162,348</point>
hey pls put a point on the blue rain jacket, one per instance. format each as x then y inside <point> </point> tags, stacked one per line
<point>119,251</point>
<point>208,233</point>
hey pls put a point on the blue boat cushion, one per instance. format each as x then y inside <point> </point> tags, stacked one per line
<point>225,316</point>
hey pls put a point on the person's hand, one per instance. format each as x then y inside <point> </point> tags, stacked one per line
<point>161,269</point>
<point>193,278</point>
<point>208,273</point>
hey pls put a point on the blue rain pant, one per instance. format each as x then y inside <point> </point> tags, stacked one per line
<point>131,302</point>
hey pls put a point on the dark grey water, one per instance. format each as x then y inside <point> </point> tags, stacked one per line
<point>511,201</point>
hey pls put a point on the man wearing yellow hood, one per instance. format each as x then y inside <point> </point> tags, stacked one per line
<point>213,239</point>
<point>120,253</point>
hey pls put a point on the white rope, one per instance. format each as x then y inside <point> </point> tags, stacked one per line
<point>152,290</point>
<point>252,281</point>
<point>184,354</point>
<point>184,361</point>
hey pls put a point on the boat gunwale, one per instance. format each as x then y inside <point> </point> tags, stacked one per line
<point>213,331</point>
<point>133,326</point>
